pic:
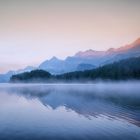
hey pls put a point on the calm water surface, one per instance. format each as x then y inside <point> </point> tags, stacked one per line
<point>67,112</point>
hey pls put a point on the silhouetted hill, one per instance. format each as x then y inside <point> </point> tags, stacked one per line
<point>34,76</point>
<point>122,70</point>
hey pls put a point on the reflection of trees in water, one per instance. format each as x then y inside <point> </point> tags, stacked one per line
<point>84,101</point>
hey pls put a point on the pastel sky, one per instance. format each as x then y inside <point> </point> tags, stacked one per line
<point>32,31</point>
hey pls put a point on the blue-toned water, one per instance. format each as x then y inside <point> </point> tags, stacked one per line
<point>99,111</point>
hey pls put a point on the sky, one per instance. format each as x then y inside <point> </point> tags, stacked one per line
<point>32,31</point>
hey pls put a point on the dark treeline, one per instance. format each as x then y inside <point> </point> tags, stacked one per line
<point>35,75</point>
<point>122,70</point>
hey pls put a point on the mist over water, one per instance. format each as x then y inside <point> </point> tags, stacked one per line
<point>102,111</point>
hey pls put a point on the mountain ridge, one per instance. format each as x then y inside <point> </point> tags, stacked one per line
<point>123,70</point>
<point>99,58</point>
<point>89,58</point>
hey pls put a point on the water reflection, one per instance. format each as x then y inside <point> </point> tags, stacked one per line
<point>117,105</point>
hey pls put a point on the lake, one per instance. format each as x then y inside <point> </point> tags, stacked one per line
<point>100,111</point>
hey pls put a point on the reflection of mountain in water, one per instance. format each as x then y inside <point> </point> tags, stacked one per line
<point>112,101</point>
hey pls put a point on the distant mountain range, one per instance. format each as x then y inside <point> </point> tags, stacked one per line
<point>90,59</point>
<point>128,69</point>
<point>86,60</point>
<point>5,77</point>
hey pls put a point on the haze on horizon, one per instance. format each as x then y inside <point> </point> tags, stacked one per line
<point>32,31</point>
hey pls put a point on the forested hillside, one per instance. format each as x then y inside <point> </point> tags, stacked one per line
<point>122,70</point>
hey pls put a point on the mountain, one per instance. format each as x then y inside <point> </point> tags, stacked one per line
<point>82,67</point>
<point>26,69</point>
<point>6,77</point>
<point>124,52</point>
<point>57,66</point>
<point>54,65</point>
<point>83,60</point>
<point>90,54</point>
<point>122,70</point>
<point>91,57</point>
